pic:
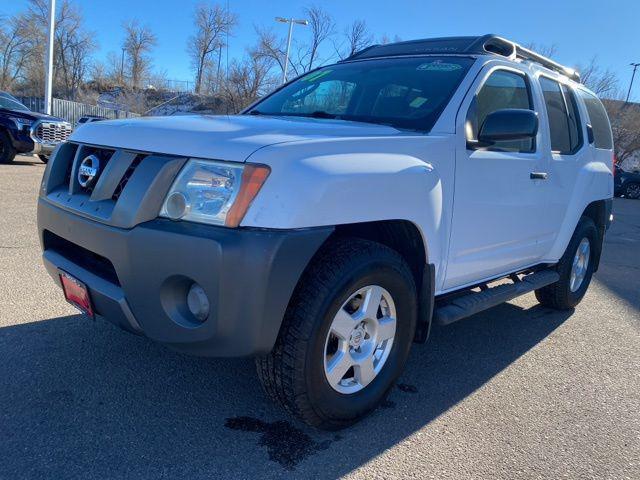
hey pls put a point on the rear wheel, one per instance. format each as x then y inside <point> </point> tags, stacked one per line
<point>7,152</point>
<point>632,190</point>
<point>575,269</point>
<point>345,337</point>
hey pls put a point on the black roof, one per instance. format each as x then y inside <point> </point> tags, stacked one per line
<point>478,45</point>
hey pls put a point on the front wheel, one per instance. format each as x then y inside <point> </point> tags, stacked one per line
<point>575,268</point>
<point>43,158</point>
<point>346,335</point>
<point>7,152</point>
<point>632,190</point>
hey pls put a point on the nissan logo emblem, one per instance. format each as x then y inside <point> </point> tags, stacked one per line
<point>88,171</point>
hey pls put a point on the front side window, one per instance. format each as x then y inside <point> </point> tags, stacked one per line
<point>503,89</point>
<point>599,121</point>
<point>405,93</point>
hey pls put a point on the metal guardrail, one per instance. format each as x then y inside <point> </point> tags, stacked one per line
<point>73,111</point>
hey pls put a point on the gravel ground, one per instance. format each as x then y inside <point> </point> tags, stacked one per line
<point>519,391</point>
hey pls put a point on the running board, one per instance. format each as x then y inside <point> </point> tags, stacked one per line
<point>476,302</point>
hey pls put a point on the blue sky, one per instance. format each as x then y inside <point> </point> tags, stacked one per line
<point>579,29</point>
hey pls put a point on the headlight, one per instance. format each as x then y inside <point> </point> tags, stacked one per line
<point>22,122</point>
<point>216,193</point>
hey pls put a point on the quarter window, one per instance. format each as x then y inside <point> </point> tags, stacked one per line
<point>503,89</point>
<point>563,116</point>
<point>599,121</point>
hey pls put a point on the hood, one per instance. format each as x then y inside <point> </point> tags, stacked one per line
<point>30,115</point>
<point>232,138</point>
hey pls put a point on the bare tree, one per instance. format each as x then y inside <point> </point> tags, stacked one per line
<point>16,46</point>
<point>548,51</point>
<point>603,82</point>
<point>384,39</point>
<point>625,126</point>
<point>213,23</point>
<point>305,55</point>
<point>139,41</point>
<point>354,38</point>
<point>248,80</point>
<point>322,27</point>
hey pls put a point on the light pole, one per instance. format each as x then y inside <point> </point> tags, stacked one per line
<point>635,66</point>
<point>290,21</point>
<point>48,84</point>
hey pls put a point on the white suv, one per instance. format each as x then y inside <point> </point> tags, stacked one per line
<point>325,228</point>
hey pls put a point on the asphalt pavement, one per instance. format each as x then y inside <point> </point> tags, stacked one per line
<point>519,391</point>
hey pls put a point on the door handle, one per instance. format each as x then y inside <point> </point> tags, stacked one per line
<point>538,175</point>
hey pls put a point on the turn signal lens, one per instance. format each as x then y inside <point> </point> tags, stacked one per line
<point>253,177</point>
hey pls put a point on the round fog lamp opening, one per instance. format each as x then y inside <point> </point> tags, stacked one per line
<point>177,205</point>
<point>198,302</point>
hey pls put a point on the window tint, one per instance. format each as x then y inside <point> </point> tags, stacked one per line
<point>575,127</point>
<point>502,89</point>
<point>563,116</point>
<point>599,121</point>
<point>331,96</point>
<point>405,93</point>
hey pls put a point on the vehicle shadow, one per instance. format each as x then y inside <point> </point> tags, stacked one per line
<point>620,266</point>
<point>83,399</point>
<point>27,162</point>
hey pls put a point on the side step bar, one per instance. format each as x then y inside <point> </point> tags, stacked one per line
<point>475,302</point>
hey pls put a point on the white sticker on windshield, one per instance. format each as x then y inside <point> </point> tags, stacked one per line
<point>439,66</point>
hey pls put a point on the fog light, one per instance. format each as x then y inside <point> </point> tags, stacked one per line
<point>198,302</point>
<point>176,205</point>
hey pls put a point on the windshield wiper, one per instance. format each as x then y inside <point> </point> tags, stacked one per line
<point>255,112</point>
<point>321,114</point>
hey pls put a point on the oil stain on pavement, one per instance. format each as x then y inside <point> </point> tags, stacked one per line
<point>285,444</point>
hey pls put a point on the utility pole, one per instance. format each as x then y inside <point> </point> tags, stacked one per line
<point>290,21</point>
<point>635,66</point>
<point>48,84</point>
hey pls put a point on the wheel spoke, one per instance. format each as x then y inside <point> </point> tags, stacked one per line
<point>371,302</point>
<point>364,372</point>
<point>343,324</point>
<point>386,328</point>
<point>338,366</point>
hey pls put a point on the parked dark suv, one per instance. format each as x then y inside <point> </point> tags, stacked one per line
<point>626,183</point>
<point>24,131</point>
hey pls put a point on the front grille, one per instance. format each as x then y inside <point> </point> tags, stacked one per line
<point>94,263</point>
<point>52,132</point>
<point>125,178</point>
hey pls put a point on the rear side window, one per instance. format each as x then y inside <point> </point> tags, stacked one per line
<point>503,89</point>
<point>563,116</point>
<point>599,121</point>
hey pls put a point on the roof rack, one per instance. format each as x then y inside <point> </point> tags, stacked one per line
<point>464,45</point>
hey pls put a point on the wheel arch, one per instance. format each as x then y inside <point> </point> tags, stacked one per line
<point>404,237</point>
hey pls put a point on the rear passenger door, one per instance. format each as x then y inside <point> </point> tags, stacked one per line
<point>499,220</point>
<point>567,149</point>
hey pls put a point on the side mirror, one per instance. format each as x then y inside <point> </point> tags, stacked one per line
<point>508,124</point>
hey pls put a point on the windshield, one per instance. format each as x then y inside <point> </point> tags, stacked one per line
<point>12,104</point>
<point>406,93</point>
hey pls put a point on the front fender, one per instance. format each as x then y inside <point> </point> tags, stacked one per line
<point>321,183</point>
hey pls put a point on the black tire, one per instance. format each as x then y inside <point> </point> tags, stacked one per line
<point>44,158</point>
<point>632,190</point>
<point>293,373</point>
<point>7,152</point>
<point>559,295</point>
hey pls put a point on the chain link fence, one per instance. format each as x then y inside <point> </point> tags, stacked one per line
<point>74,111</point>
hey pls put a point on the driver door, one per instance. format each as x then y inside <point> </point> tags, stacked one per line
<point>499,224</point>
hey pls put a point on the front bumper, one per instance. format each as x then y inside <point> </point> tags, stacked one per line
<point>248,275</point>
